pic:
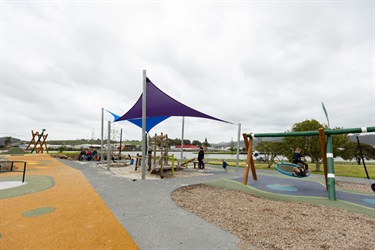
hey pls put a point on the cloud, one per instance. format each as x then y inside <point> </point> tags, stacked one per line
<point>266,65</point>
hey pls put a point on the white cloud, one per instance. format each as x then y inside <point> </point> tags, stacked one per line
<point>266,65</point>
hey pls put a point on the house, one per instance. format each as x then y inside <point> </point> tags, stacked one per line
<point>185,147</point>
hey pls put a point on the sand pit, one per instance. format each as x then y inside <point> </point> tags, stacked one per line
<point>130,172</point>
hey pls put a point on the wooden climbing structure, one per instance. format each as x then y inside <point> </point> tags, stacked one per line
<point>160,144</point>
<point>38,142</point>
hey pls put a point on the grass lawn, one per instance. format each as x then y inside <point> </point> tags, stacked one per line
<point>348,169</point>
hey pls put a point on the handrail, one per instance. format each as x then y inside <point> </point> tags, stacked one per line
<point>11,168</point>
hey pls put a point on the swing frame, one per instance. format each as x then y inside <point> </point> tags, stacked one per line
<point>249,138</point>
<point>290,166</point>
<point>326,150</point>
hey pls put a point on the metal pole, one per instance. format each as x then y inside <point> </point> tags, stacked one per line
<point>331,172</point>
<point>182,140</point>
<point>238,146</point>
<point>102,142</point>
<point>109,145</point>
<point>120,144</point>
<point>144,146</point>
<point>363,159</point>
<point>315,133</point>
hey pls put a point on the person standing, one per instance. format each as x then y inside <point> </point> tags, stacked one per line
<point>200,158</point>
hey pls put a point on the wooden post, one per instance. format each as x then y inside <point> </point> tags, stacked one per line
<point>250,152</point>
<point>155,142</point>
<point>323,149</point>
<point>166,150</point>
<point>246,171</point>
<point>32,141</point>
<point>249,160</point>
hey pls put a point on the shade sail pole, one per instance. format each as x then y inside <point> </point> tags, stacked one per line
<point>238,146</point>
<point>109,146</point>
<point>102,142</point>
<point>182,140</point>
<point>144,127</point>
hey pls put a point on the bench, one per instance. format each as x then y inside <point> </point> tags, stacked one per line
<point>4,168</point>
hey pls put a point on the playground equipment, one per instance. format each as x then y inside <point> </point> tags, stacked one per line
<point>325,137</point>
<point>161,142</point>
<point>288,169</point>
<point>38,142</point>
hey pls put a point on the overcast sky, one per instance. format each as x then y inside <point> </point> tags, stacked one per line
<point>264,64</point>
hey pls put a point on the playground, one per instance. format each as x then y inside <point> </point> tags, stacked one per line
<point>84,204</point>
<point>79,205</point>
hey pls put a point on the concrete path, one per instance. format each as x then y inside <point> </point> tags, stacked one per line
<point>145,209</point>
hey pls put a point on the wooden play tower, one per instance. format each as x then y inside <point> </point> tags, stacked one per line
<point>160,144</point>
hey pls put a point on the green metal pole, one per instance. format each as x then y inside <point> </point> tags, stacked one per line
<point>315,133</point>
<point>331,171</point>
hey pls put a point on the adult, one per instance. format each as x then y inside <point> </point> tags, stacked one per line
<point>200,158</point>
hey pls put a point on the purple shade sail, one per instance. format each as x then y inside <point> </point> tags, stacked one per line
<point>159,104</point>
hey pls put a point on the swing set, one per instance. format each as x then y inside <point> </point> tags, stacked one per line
<point>285,168</point>
<point>325,137</point>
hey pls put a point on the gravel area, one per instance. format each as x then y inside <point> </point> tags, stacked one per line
<point>130,172</point>
<point>267,224</point>
<point>355,187</point>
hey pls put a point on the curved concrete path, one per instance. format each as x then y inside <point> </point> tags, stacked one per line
<point>146,210</point>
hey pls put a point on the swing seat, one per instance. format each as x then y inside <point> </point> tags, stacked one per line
<point>287,169</point>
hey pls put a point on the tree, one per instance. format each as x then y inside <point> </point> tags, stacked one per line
<point>341,145</point>
<point>368,152</point>
<point>196,143</point>
<point>310,145</point>
<point>187,141</point>
<point>7,141</point>
<point>270,150</point>
<point>205,144</point>
<point>61,148</point>
<point>351,151</point>
<point>174,142</point>
<point>232,145</point>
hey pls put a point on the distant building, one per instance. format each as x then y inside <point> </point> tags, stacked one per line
<point>185,147</point>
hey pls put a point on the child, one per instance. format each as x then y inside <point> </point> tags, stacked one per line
<point>299,159</point>
<point>225,164</point>
<point>299,172</point>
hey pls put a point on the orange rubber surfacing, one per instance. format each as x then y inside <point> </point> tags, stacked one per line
<point>69,215</point>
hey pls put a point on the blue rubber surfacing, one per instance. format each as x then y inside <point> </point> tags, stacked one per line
<point>303,187</point>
